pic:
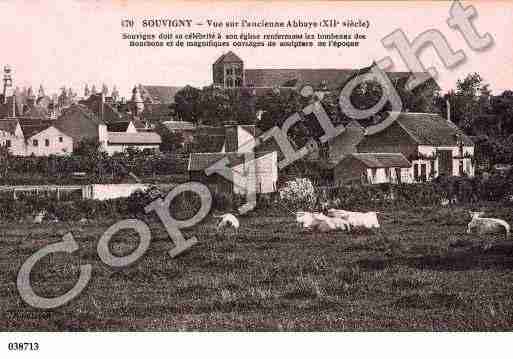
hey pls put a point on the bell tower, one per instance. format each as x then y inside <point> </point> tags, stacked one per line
<point>8,89</point>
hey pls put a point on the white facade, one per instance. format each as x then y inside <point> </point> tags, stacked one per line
<point>245,141</point>
<point>389,175</point>
<point>14,142</point>
<point>119,148</point>
<point>110,191</point>
<point>49,142</point>
<point>430,151</point>
<point>266,174</point>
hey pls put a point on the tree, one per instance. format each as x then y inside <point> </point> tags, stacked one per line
<point>188,104</point>
<point>171,141</point>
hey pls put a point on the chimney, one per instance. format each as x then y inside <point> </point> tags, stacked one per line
<point>231,139</point>
<point>448,110</point>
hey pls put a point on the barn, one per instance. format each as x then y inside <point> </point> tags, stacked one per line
<point>372,168</point>
<point>432,144</point>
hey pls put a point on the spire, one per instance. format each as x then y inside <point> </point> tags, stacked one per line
<point>86,91</point>
<point>30,93</point>
<point>115,94</point>
<point>93,90</point>
<point>105,90</point>
<point>8,90</point>
<point>40,92</point>
<point>137,100</point>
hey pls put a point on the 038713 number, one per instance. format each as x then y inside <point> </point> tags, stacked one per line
<point>23,346</point>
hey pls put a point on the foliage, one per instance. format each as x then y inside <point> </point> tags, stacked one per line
<point>298,194</point>
<point>215,106</point>
<point>172,141</point>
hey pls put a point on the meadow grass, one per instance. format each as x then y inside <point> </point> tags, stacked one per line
<point>421,271</point>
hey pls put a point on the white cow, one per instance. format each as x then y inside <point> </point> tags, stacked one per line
<point>487,225</point>
<point>227,220</point>
<point>332,224</point>
<point>367,220</point>
<point>320,222</point>
<point>304,219</point>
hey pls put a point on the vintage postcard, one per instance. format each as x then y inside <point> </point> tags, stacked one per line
<point>255,166</point>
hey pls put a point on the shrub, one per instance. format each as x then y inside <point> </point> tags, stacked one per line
<point>298,194</point>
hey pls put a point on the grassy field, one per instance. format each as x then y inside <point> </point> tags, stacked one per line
<point>421,272</point>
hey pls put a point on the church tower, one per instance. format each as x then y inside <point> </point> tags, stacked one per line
<point>8,90</point>
<point>228,71</point>
<point>137,101</point>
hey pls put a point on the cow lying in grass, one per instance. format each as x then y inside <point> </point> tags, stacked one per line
<point>483,225</point>
<point>368,220</point>
<point>320,222</point>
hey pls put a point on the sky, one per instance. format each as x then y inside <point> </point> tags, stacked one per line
<point>71,43</point>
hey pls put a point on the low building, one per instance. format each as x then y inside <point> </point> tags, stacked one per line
<point>373,168</point>
<point>237,141</point>
<point>265,165</point>
<point>47,140</point>
<point>34,137</point>
<point>121,141</point>
<point>432,144</point>
<point>81,123</point>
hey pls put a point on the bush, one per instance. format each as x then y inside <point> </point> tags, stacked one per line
<point>298,194</point>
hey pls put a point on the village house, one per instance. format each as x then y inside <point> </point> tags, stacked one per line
<point>121,141</point>
<point>372,168</point>
<point>96,119</point>
<point>34,137</point>
<point>432,144</point>
<point>238,141</point>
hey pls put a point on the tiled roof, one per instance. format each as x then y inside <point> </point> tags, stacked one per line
<point>201,161</point>
<point>328,79</point>
<point>79,122</point>
<point>431,129</point>
<point>292,77</point>
<point>179,125</point>
<point>139,138</point>
<point>382,160</point>
<point>30,130</point>
<point>211,137</point>
<point>120,126</point>
<point>227,58</point>
<point>159,94</point>
<point>37,111</point>
<point>8,125</point>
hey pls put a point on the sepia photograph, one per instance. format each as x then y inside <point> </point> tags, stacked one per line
<point>264,166</point>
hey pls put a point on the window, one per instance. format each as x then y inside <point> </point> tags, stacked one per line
<point>35,143</point>
<point>398,175</point>
<point>423,172</point>
<point>468,167</point>
<point>7,143</point>
<point>61,139</point>
<point>374,174</point>
<point>416,171</point>
<point>229,83</point>
<point>47,142</point>
<point>229,71</point>
<point>388,174</point>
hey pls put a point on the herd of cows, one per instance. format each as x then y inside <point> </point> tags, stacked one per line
<point>342,220</point>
